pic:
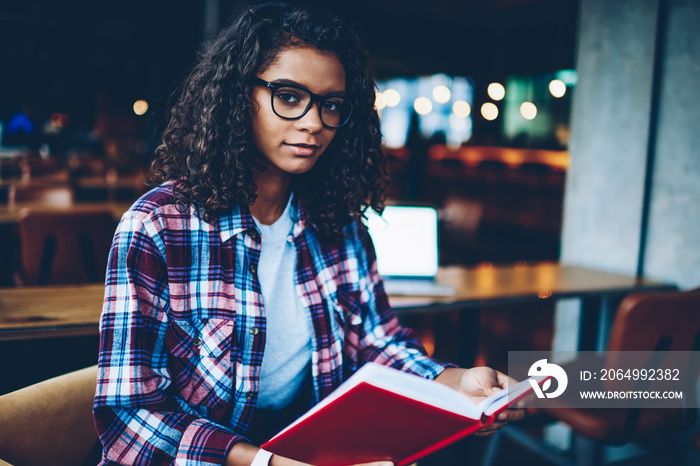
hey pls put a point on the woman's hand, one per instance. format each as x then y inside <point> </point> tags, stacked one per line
<point>479,383</point>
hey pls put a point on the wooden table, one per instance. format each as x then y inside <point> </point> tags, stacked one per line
<point>501,284</point>
<point>58,311</point>
<point>599,293</point>
<point>10,214</point>
<point>50,311</point>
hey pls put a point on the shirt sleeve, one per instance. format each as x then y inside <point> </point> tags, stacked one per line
<point>378,336</point>
<point>138,419</point>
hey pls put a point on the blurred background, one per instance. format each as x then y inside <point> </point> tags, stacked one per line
<point>475,98</point>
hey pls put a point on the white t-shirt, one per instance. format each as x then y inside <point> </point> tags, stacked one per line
<point>287,357</point>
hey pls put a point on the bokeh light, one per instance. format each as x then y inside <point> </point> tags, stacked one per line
<point>528,110</point>
<point>379,102</point>
<point>496,91</point>
<point>442,94</point>
<point>557,88</point>
<point>391,97</point>
<point>457,123</point>
<point>461,108</point>
<point>489,111</point>
<point>423,105</point>
<point>59,120</point>
<point>140,107</point>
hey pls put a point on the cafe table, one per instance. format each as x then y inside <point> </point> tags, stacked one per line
<point>70,310</point>
<point>10,213</point>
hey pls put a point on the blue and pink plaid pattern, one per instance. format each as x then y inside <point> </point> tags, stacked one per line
<point>183,329</point>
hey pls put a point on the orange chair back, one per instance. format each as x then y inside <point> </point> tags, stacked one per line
<point>64,246</point>
<point>644,320</point>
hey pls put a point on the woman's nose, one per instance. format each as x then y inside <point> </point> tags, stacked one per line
<point>312,120</point>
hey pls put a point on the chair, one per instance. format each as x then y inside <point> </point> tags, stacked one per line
<point>64,246</point>
<point>50,423</point>
<point>644,322</point>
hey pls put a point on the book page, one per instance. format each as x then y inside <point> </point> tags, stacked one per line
<point>424,390</point>
<point>500,400</point>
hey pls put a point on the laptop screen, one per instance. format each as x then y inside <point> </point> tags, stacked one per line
<point>406,241</point>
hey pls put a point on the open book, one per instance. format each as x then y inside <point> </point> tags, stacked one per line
<point>382,413</point>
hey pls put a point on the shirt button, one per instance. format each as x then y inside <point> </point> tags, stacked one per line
<point>249,396</point>
<point>252,269</point>
<point>197,342</point>
<point>254,235</point>
<point>254,330</point>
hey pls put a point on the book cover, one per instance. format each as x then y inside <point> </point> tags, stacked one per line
<point>381,413</point>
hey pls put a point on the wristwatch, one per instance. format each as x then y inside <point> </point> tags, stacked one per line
<point>262,458</point>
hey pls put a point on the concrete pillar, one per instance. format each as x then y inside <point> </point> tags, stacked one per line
<point>615,132</point>
<point>673,241</point>
<point>610,130</point>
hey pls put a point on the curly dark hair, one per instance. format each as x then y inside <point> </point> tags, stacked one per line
<point>208,144</point>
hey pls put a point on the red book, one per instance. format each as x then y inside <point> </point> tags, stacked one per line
<point>381,413</point>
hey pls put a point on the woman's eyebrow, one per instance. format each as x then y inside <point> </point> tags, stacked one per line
<point>291,81</point>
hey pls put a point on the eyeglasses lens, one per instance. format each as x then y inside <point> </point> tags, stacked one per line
<point>290,102</point>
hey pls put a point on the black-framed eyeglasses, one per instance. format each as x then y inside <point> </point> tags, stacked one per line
<point>291,102</point>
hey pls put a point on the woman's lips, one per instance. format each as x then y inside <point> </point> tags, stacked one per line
<point>303,150</point>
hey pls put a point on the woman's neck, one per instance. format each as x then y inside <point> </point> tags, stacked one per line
<point>273,195</point>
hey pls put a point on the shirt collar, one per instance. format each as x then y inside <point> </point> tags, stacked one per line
<point>239,219</point>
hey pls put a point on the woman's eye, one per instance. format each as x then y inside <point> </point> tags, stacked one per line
<point>332,105</point>
<point>288,97</point>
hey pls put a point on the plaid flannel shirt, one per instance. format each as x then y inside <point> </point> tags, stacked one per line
<point>182,332</point>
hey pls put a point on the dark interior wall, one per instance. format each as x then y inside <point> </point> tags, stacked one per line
<point>54,54</point>
<point>60,56</point>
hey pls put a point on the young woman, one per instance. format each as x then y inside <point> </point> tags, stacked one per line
<point>243,289</point>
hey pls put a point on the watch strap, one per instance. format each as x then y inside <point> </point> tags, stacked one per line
<point>262,458</point>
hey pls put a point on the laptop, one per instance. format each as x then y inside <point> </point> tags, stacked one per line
<point>406,241</point>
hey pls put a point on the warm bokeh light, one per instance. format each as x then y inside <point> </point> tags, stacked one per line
<point>391,97</point>
<point>489,111</point>
<point>379,102</point>
<point>496,91</point>
<point>457,123</point>
<point>557,88</point>
<point>442,94</point>
<point>461,108</point>
<point>521,265</point>
<point>528,110</point>
<point>140,107</point>
<point>59,120</point>
<point>423,105</point>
